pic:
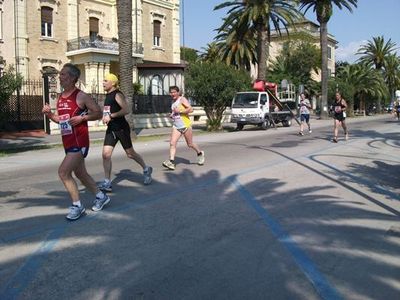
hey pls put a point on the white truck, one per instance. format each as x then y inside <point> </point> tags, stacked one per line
<point>259,108</point>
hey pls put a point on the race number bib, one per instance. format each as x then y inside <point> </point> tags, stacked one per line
<point>65,127</point>
<point>106,110</point>
<point>338,109</point>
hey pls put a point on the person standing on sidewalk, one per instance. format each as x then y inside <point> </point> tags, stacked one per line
<point>181,126</point>
<point>305,107</point>
<point>115,109</point>
<point>339,117</point>
<point>74,109</point>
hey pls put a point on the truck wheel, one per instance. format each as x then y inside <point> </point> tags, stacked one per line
<point>239,126</point>
<point>287,123</point>
<point>265,124</point>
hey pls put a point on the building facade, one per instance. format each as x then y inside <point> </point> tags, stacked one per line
<point>40,36</point>
<point>312,31</point>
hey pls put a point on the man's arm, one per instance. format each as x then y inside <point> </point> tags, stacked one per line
<point>47,111</point>
<point>94,112</point>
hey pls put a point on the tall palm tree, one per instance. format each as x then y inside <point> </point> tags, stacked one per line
<point>324,10</point>
<point>375,52</point>
<point>260,15</point>
<point>125,43</point>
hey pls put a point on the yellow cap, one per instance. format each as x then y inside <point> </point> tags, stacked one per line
<point>111,77</point>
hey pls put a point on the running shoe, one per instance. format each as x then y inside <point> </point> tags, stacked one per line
<point>310,131</point>
<point>99,203</point>
<point>201,158</point>
<point>169,164</point>
<point>147,175</point>
<point>105,186</point>
<point>75,212</point>
<point>335,139</point>
<point>346,136</point>
<point>301,133</point>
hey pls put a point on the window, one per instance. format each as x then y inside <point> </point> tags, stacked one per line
<point>329,52</point>
<point>47,21</point>
<point>157,33</point>
<point>93,28</point>
<point>156,85</point>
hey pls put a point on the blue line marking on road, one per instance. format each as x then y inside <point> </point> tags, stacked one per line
<point>322,286</point>
<point>24,275</point>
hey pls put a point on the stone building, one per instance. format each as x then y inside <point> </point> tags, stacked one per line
<point>39,36</point>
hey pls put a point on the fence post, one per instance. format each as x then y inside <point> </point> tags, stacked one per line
<point>46,100</point>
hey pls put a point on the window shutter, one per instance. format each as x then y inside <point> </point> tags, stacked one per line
<point>47,15</point>
<point>93,25</point>
<point>157,28</point>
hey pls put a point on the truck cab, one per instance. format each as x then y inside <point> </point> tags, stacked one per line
<point>257,108</point>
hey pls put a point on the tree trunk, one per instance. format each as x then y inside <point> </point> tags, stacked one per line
<point>261,52</point>
<point>124,12</point>
<point>324,69</point>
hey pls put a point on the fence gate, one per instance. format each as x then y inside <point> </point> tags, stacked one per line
<point>23,111</point>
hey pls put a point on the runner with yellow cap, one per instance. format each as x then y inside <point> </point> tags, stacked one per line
<point>115,109</point>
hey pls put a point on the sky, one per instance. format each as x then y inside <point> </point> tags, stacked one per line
<point>370,19</point>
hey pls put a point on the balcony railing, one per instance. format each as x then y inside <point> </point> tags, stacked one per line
<point>99,43</point>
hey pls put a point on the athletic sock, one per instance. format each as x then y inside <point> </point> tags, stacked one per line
<point>77,203</point>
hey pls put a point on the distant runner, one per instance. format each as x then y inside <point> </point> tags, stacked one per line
<point>181,126</point>
<point>339,117</point>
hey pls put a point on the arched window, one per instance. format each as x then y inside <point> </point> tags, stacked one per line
<point>156,85</point>
<point>46,21</point>
<point>156,33</point>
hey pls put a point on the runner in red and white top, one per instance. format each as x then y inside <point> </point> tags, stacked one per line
<point>74,109</point>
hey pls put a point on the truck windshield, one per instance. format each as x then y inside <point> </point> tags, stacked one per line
<point>245,100</point>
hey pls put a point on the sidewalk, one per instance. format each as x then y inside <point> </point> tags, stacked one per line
<point>38,138</point>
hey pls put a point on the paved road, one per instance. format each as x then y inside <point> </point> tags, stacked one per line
<point>272,215</point>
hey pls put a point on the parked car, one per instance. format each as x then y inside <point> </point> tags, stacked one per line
<point>389,108</point>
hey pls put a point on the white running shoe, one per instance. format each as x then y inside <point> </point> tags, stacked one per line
<point>75,212</point>
<point>201,158</point>
<point>100,203</point>
<point>147,175</point>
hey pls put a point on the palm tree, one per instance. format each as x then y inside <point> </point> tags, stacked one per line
<point>323,10</point>
<point>363,81</point>
<point>257,15</point>
<point>236,46</point>
<point>391,74</point>
<point>210,53</point>
<point>125,42</point>
<point>375,52</point>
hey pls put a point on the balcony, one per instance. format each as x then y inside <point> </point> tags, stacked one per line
<point>99,44</point>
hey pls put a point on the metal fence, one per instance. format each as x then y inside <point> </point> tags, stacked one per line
<point>151,104</point>
<point>23,111</point>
